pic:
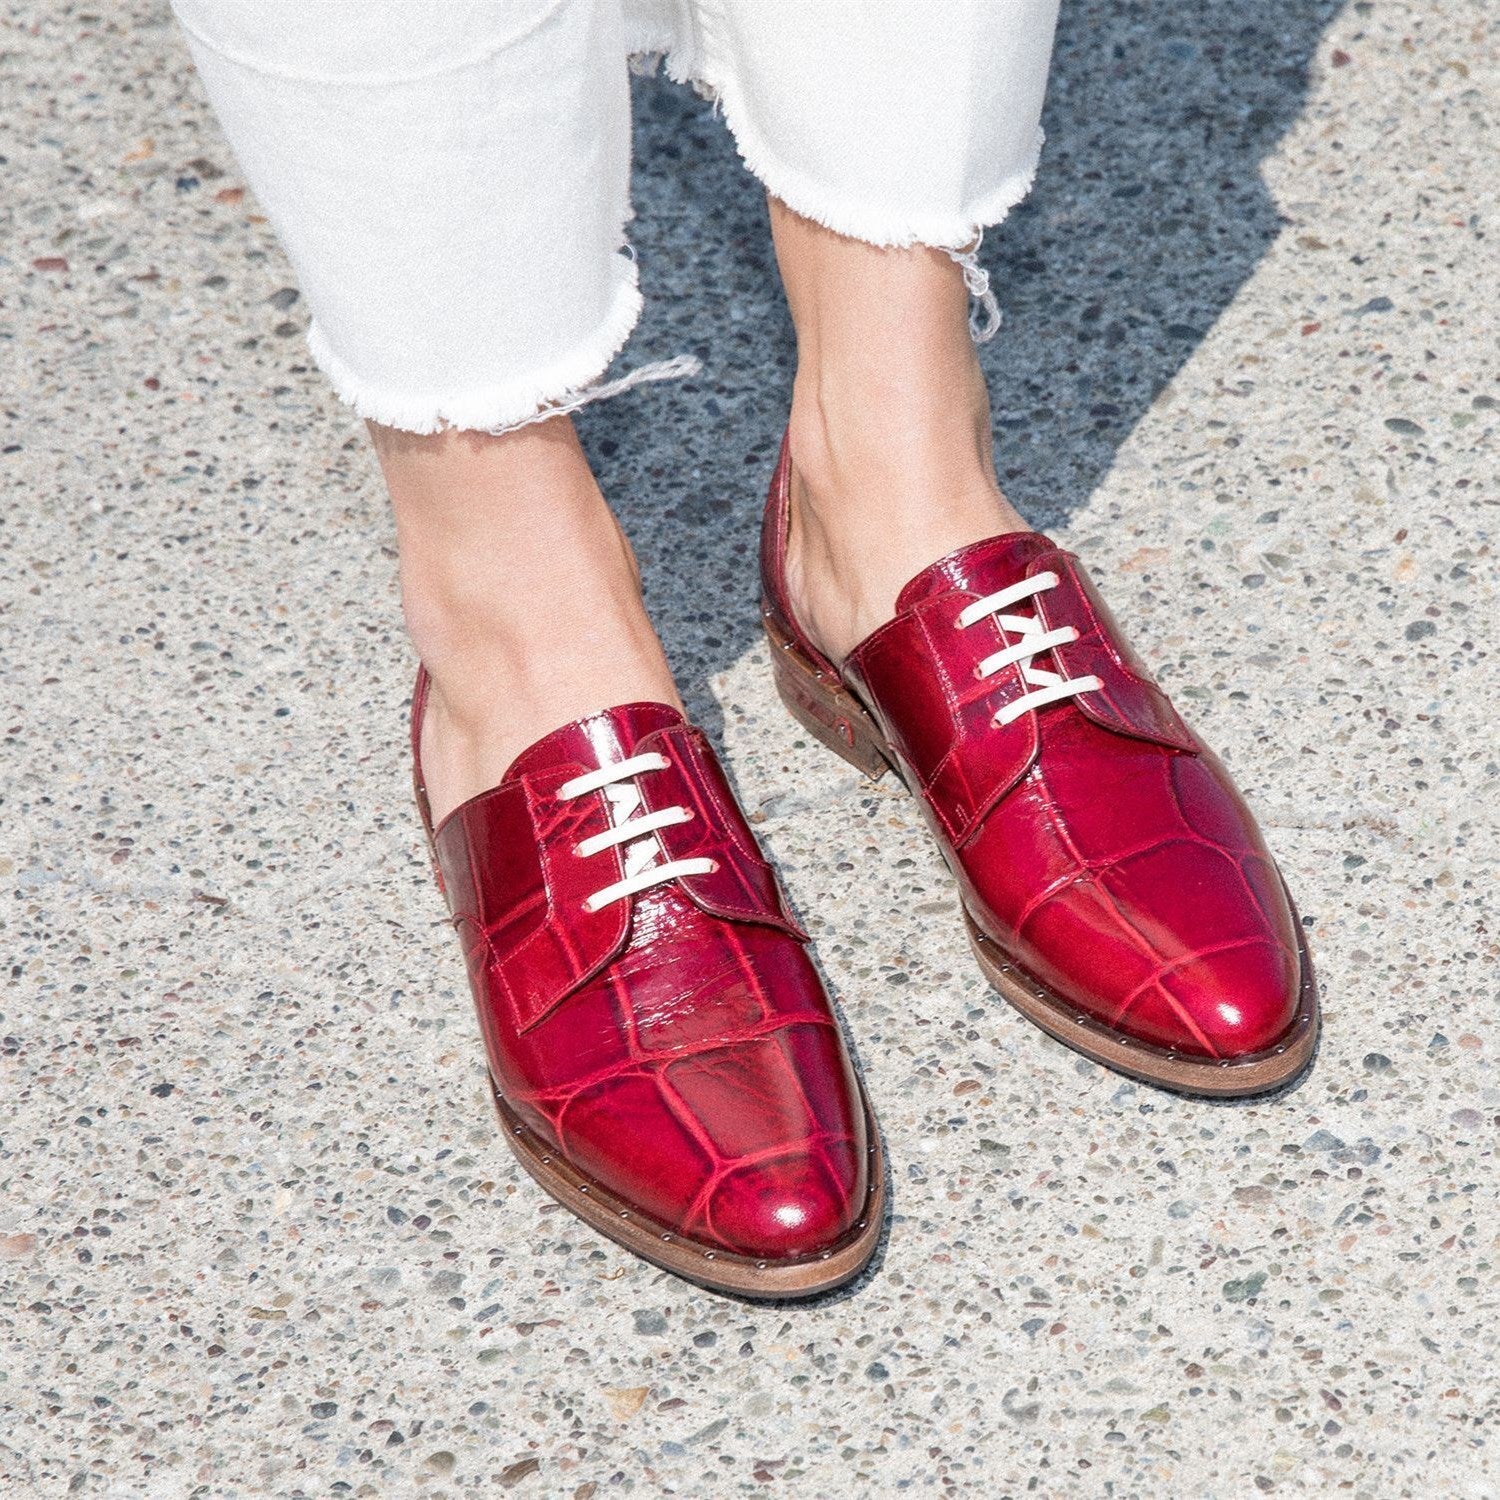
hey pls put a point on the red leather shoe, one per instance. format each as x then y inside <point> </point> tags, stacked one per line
<point>663,1055</point>
<point>1115,887</point>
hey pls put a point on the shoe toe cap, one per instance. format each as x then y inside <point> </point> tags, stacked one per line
<point>1224,989</point>
<point>790,1208</point>
<point>758,1147</point>
<point>1230,1004</point>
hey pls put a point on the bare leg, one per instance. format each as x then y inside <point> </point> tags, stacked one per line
<point>521,594</point>
<point>890,426</point>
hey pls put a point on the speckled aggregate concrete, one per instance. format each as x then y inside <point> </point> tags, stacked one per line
<point>258,1235</point>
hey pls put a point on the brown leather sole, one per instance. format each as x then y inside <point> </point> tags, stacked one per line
<point>829,712</point>
<point>719,1270</point>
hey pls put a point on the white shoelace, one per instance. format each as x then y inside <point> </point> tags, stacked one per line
<point>1048,687</point>
<point>643,849</point>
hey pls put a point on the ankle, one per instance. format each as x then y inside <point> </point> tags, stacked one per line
<point>877,494</point>
<point>477,612</point>
<point>522,598</point>
<point>891,428</point>
<point>503,687</point>
<point>890,425</point>
<point>510,663</point>
<point>489,668</point>
<point>883,456</point>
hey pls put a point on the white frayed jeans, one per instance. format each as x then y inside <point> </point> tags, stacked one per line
<point>451,180</point>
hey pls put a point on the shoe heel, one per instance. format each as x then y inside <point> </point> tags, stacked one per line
<point>826,710</point>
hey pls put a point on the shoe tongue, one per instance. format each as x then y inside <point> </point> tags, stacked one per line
<point>980,568</point>
<point>610,735</point>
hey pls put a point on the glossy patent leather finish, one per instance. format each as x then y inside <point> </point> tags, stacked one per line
<point>677,1047</point>
<point>1100,848</point>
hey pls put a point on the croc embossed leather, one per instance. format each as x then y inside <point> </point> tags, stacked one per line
<point>664,1058</point>
<point>1115,887</point>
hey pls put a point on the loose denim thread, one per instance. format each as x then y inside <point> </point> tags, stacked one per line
<point>977,282</point>
<point>679,367</point>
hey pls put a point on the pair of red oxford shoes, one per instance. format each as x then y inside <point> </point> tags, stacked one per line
<point>664,1057</point>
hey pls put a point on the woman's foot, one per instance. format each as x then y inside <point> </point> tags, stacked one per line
<point>521,594</point>
<point>890,427</point>
<point>1115,887</point>
<point>664,1057</point>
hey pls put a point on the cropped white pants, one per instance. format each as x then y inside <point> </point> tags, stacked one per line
<point>451,180</point>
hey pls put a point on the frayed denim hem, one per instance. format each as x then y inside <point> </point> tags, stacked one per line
<point>564,385</point>
<point>960,236</point>
<point>575,380</point>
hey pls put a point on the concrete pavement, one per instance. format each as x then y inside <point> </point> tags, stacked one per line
<point>258,1235</point>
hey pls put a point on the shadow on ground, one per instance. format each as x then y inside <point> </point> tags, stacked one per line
<point>1148,216</point>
